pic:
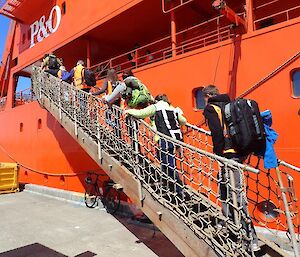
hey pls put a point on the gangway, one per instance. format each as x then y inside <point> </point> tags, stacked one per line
<point>127,151</point>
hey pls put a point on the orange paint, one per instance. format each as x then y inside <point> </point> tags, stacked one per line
<point>233,63</point>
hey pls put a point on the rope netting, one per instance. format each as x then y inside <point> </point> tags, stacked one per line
<point>264,194</point>
<point>210,194</point>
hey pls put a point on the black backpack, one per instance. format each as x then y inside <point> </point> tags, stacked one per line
<point>245,126</point>
<point>89,78</point>
<point>53,63</point>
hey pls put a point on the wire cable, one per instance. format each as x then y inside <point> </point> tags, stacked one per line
<point>47,173</point>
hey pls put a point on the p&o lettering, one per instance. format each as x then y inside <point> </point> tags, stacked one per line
<point>42,28</point>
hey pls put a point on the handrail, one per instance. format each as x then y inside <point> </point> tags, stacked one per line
<point>288,165</point>
<point>182,3</point>
<point>217,18</point>
<point>158,54</point>
<point>277,14</point>
<point>205,41</point>
<point>270,75</point>
<point>231,163</point>
<point>208,133</point>
<point>205,36</point>
<point>125,54</point>
<point>265,4</point>
<point>194,127</point>
<point>132,142</point>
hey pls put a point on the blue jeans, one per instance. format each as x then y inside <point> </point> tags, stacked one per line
<point>112,119</point>
<point>227,209</point>
<point>166,155</point>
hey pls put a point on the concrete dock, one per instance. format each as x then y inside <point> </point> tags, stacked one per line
<point>36,225</point>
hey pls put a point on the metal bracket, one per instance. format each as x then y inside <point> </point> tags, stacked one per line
<point>159,213</point>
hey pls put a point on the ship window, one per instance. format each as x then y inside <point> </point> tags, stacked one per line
<point>23,83</point>
<point>266,23</point>
<point>64,8</point>
<point>15,61</point>
<point>39,123</point>
<point>21,127</point>
<point>23,90</point>
<point>62,179</point>
<point>199,102</point>
<point>296,83</point>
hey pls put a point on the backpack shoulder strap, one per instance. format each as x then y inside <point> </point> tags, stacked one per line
<point>219,112</point>
<point>224,126</point>
<point>109,87</point>
<point>82,75</point>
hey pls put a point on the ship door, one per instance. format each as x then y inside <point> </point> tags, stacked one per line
<point>22,90</point>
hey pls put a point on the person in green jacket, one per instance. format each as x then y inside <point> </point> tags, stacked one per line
<point>135,93</point>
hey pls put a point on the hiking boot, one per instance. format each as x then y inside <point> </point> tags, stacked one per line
<point>255,247</point>
<point>221,225</point>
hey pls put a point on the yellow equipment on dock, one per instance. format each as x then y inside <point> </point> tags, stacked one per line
<point>9,182</point>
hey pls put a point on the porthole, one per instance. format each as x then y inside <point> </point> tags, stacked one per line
<point>21,127</point>
<point>64,8</point>
<point>296,83</point>
<point>199,102</point>
<point>39,123</point>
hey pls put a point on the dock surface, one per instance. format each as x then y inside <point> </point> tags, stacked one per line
<point>36,225</point>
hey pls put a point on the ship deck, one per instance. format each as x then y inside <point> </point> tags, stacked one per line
<point>36,225</point>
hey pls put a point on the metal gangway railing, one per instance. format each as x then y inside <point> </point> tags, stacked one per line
<point>192,196</point>
<point>271,194</point>
<point>189,39</point>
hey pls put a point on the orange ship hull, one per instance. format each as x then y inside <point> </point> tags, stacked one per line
<point>234,65</point>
